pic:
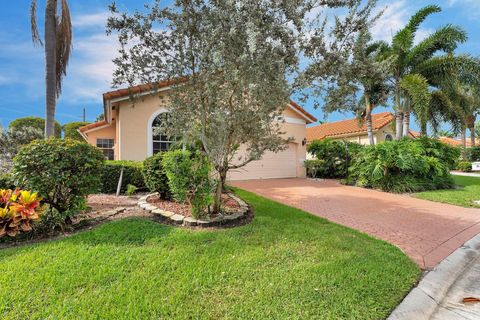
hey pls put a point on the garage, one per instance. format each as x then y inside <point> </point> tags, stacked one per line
<point>272,165</point>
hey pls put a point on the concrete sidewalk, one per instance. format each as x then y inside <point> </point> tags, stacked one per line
<point>440,294</point>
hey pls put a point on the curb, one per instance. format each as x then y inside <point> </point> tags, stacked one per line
<point>423,301</point>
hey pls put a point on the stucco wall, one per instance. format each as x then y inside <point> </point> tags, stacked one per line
<point>133,127</point>
<point>102,133</point>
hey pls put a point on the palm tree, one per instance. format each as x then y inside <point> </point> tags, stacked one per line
<point>58,44</point>
<point>410,58</point>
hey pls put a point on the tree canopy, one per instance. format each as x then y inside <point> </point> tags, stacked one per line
<point>34,122</point>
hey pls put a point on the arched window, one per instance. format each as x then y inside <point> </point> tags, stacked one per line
<point>388,137</point>
<point>160,141</point>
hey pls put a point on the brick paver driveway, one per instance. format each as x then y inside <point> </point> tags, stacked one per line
<point>426,231</point>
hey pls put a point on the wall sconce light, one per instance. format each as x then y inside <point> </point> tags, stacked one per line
<point>304,141</point>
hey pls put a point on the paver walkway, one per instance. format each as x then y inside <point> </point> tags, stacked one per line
<point>426,231</point>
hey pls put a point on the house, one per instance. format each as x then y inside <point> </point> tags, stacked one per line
<point>127,133</point>
<point>353,130</point>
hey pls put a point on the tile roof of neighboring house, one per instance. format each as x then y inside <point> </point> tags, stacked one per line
<point>346,127</point>
<point>453,142</point>
<point>94,125</point>
<point>120,93</point>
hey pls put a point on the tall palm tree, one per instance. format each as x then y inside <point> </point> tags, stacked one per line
<point>409,58</point>
<point>369,67</point>
<point>58,44</point>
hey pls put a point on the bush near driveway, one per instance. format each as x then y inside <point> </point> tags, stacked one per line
<point>132,174</point>
<point>63,172</point>
<point>403,166</point>
<point>155,177</point>
<point>473,154</point>
<point>286,264</point>
<point>331,158</point>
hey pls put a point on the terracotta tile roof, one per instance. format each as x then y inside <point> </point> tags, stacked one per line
<point>93,126</point>
<point>349,126</point>
<point>453,142</point>
<point>120,93</point>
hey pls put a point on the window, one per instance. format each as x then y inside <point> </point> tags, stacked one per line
<point>106,145</point>
<point>161,142</point>
<point>388,137</point>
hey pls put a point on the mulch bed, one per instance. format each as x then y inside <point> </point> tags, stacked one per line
<point>228,205</point>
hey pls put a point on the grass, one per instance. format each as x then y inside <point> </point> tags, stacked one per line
<point>285,264</point>
<point>464,196</point>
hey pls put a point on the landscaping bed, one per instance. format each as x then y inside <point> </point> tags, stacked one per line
<point>286,264</point>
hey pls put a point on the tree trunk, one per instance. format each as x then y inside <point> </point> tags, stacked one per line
<point>50,65</point>
<point>423,129</point>
<point>472,137</point>
<point>398,113</point>
<point>464,143</point>
<point>406,123</point>
<point>368,119</point>
<point>398,124</point>
<point>222,177</point>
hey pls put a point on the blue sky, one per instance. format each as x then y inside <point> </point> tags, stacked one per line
<point>90,69</point>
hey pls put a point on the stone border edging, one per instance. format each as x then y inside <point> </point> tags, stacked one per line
<point>191,221</point>
<point>423,301</point>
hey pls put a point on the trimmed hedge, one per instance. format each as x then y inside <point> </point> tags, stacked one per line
<point>155,177</point>
<point>132,174</point>
<point>464,166</point>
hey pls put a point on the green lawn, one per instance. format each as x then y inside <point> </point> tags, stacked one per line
<point>464,196</point>
<point>286,264</point>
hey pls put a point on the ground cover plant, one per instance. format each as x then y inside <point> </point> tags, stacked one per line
<point>464,196</point>
<point>402,166</point>
<point>285,264</point>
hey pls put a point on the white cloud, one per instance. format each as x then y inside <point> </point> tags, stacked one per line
<point>98,19</point>
<point>395,16</point>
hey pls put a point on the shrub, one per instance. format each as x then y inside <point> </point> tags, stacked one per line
<point>17,210</point>
<point>34,122</point>
<point>445,153</point>
<point>131,190</point>
<point>464,166</point>
<point>474,154</point>
<point>331,156</point>
<point>63,172</point>
<point>70,130</point>
<point>189,179</point>
<point>400,166</point>
<point>154,175</point>
<point>132,174</point>
<point>6,181</point>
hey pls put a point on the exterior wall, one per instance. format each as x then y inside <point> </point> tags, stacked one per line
<point>133,129</point>
<point>132,123</point>
<point>103,133</point>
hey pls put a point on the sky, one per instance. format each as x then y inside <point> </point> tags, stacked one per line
<point>22,88</point>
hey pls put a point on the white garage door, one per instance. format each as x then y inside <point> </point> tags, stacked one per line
<point>272,165</point>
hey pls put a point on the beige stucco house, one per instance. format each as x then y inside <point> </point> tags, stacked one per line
<point>127,133</point>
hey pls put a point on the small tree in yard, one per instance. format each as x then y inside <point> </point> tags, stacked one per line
<point>231,60</point>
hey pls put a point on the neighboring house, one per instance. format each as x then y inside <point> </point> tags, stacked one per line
<point>127,133</point>
<point>353,130</point>
<point>447,140</point>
